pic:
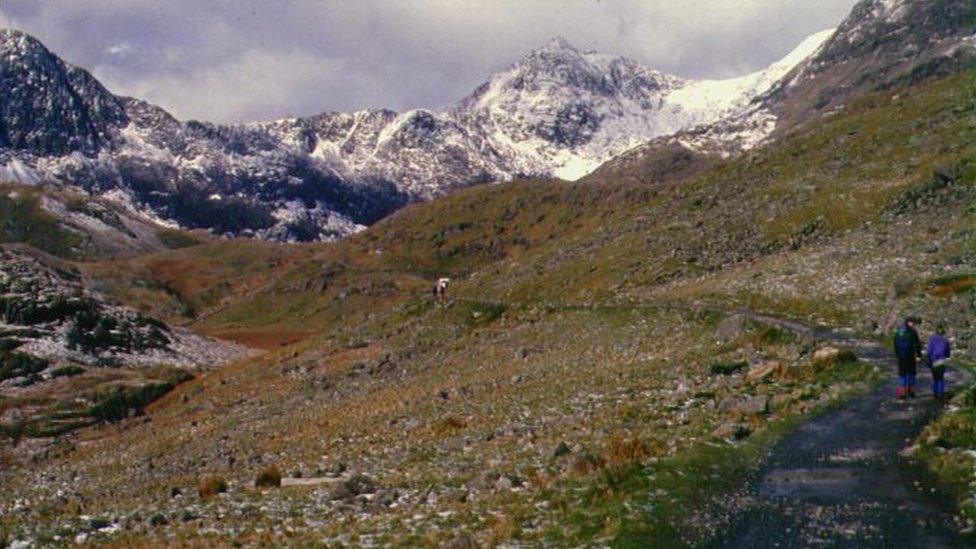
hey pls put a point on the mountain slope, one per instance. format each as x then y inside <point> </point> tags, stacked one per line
<point>882,44</point>
<point>586,371</point>
<point>50,107</point>
<point>557,112</point>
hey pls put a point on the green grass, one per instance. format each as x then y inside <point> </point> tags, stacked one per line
<point>640,503</point>
<point>22,220</point>
<point>945,448</point>
<point>175,239</point>
<point>577,275</point>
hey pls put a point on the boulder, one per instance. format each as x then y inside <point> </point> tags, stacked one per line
<point>764,370</point>
<point>731,431</point>
<point>826,354</point>
<point>731,328</point>
<point>749,405</point>
<point>503,484</point>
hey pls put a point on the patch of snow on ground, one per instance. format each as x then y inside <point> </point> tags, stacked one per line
<point>15,171</point>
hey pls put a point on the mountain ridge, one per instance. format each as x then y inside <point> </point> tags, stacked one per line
<point>556,112</point>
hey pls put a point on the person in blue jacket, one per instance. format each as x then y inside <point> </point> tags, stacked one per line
<point>908,349</point>
<point>938,353</point>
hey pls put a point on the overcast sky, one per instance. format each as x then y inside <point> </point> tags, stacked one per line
<point>234,60</point>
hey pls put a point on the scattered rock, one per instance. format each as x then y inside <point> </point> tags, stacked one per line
<point>503,484</point>
<point>463,540</point>
<point>354,486</point>
<point>561,450</point>
<point>753,405</point>
<point>826,354</point>
<point>731,328</point>
<point>764,370</point>
<point>731,431</point>
<point>158,519</point>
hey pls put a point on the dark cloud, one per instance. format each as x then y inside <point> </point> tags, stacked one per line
<point>231,60</point>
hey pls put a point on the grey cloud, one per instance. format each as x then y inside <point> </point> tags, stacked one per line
<point>227,60</point>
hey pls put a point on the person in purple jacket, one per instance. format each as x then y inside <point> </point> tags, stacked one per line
<point>939,352</point>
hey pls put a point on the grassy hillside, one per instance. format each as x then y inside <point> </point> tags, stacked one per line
<point>67,223</point>
<point>588,380</point>
<point>24,221</point>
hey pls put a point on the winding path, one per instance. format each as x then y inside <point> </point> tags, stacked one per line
<point>840,480</point>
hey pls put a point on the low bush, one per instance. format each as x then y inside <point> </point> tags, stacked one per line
<point>120,402</point>
<point>210,487</point>
<point>587,463</point>
<point>269,477</point>
<point>354,486</point>
<point>67,371</point>
<point>449,425</point>
<point>14,364</point>
<point>727,368</point>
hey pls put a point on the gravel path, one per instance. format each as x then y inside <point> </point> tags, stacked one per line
<point>840,481</point>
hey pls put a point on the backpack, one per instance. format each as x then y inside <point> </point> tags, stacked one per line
<point>903,342</point>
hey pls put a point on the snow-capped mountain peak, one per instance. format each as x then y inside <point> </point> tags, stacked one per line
<point>562,112</point>
<point>559,111</point>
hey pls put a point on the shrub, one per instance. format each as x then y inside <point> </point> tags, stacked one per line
<point>116,405</point>
<point>774,335</point>
<point>67,371</point>
<point>587,463</point>
<point>270,477</point>
<point>19,364</point>
<point>175,239</point>
<point>449,425</point>
<point>621,450</point>
<point>211,487</point>
<point>353,486</point>
<point>948,286</point>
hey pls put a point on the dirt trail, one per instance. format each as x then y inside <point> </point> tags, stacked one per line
<point>839,480</point>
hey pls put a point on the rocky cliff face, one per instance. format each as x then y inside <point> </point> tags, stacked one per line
<point>882,43</point>
<point>48,106</point>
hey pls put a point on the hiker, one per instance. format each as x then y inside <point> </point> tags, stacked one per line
<point>440,288</point>
<point>938,353</point>
<point>908,349</point>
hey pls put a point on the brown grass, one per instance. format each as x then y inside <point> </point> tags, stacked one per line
<point>954,287</point>
<point>449,425</point>
<point>269,477</point>
<point>211,487</point>
<point>626,450</point>
<point>263,340</point>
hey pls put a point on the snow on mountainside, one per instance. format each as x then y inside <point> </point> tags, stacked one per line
<point>721,98</point>
<point>562,112</point>
<point>557,112</point>
<point>882,44</point>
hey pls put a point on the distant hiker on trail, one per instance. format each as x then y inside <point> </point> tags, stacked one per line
<point>908,349</point>
<point>938,353</point>
<point>440,288</point>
